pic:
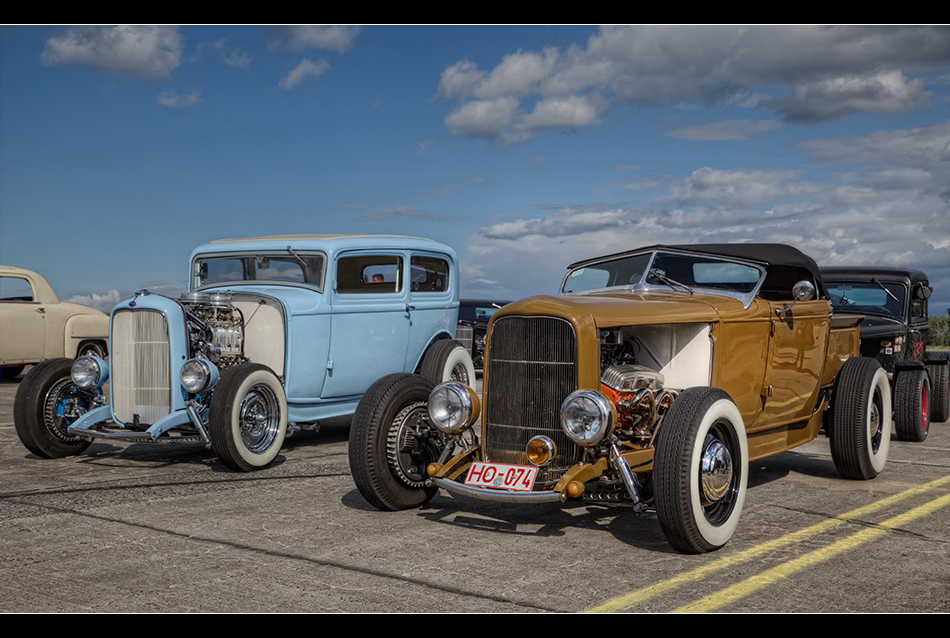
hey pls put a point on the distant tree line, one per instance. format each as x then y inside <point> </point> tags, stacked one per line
<point>939,334</point>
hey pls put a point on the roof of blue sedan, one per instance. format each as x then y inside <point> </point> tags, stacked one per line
<point>315,238</point>
<point>326,242</point>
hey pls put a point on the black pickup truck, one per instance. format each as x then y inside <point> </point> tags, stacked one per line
<point>894,331</point>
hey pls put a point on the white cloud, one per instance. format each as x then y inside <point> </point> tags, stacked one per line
<point>150,52</point>
<point>802,74</point>
<point>483,118</point>
<point>304,70</point>
<point>173,100</point>
<point>834,98</point>
<point>888,207</point>
<point>100,301</point>
<point>299,37</point>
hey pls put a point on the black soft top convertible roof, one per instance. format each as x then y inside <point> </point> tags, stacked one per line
<point>785,265</point>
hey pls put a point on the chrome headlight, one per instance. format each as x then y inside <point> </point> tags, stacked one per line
<point>587,417</point>
<point>453,407</point>
<point>198,375</point>
<point>89,372</point>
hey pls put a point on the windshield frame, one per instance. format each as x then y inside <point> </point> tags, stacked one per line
<point>904,294</point>
<point>315,282</point>
<point>644,285</point>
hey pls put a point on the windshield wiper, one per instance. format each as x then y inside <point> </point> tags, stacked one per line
<point>889,293</point>
<point>670,282</point>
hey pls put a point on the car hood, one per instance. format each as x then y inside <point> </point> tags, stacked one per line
<point>878,326</point>
<point>628,307</point>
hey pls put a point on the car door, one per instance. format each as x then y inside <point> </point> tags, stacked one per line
<point>431,301</point>
<point>369,326</point>
<point>22,322</point>
<point>796,354</point>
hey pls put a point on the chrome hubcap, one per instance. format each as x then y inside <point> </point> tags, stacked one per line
<point>874,426</point>
<point>716,472</point>
<point>460,374</point>
<point>259,419</point>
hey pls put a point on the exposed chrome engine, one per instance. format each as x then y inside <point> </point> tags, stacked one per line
<point>215,328</point>
<point>637,391</point>
<point>640,399</point>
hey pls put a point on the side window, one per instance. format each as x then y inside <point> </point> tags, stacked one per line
<point>429,274</point>
<point>918,309</point>
<point>15,289</point>
<point>369,274</point>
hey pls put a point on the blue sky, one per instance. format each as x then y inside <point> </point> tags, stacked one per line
<point>524,148</point>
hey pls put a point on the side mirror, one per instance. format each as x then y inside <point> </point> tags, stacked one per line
<point>801,291</point>
<point>923,292</point>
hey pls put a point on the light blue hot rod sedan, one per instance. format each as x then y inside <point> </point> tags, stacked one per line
<point>274,334</point>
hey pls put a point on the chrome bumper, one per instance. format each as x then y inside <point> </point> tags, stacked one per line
<point>501,496</point>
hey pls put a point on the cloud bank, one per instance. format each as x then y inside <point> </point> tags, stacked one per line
<point>889,206</point>
<point>799,74</point>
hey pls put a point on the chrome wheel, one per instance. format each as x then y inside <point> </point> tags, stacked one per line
<point>408,450</point>
<point>259,419</point>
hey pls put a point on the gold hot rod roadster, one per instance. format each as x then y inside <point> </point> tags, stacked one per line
<point>651,379</point>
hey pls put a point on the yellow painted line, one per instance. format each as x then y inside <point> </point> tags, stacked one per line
<point>642,595</point>
<point>753,584</point>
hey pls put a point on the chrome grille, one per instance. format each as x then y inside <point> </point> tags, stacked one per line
<point>141,377</point>
<point>464,335</point>
<point>532,367</point>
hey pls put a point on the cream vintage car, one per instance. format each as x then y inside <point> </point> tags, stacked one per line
<point>35,325</point>
<point>651,380</point>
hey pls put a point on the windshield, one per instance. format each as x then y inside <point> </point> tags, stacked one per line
<point>879,299</point>
<point>668,270</point>
<point>627,271</point>
<point>282,267</point>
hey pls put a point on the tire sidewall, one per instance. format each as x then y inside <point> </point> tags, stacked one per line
<point>258,376</point>
<point>459,356</point>
<point>443,357</point>
<point>879,385</point>
<point>722,411</point>
<point>29,411</point>
<point>369,434</point>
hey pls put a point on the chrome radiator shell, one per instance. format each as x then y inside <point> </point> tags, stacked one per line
<point>531,368</point>
<point>140,367</point>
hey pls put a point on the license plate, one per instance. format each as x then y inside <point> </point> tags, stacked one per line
<point>519,478</point>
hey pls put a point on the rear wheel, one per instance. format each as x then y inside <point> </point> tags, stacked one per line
<point>392,442</point>
<point>46,403</point>
<point>448,360</point>
<point>861,419</point>
<point>248,417</point>
<point>700,470</point>
<point>912,398</point>
<point>938,366</point>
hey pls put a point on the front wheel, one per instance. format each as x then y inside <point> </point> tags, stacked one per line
<point>912,398</point>
<point>46,403</point>
<point>448,360</point>
<point>248,417</point>
<point>700,470</point>
<point>861,419</point>
<point>392,442</point>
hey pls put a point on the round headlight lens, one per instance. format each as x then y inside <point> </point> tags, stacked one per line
<point>89,372</point>
<point>198,375</point>
<point>453,407</point>
<point>587,417</point>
